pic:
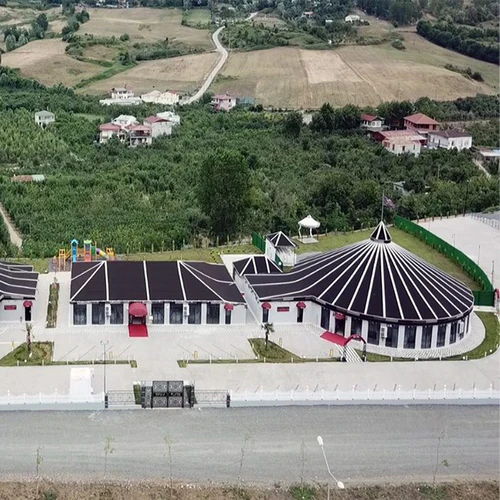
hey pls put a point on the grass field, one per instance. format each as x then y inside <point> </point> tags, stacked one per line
<point>145,25</point>
<point>364,75</point>
<point>40,351</point>
<point>185,73</point>
<point>268,20</point>
<point>46,61</point>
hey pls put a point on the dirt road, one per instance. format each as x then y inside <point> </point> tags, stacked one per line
<point>13,233</point>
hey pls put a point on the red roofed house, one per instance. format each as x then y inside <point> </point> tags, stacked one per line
<point>223,102</point>
<point>139,135</point>
<point>371,122</point>
<point>400,141</point>
<point>159,126</point>
<point>108,130</point>
<point>420,123</point>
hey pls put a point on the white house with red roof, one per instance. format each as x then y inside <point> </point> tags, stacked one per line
<point>371,122</point>
<point>421,123</point>
<point>107,131</point>
<point>223,102</point>
<point>139,135</point>
<point>449,139</point>
<point>159,126</point>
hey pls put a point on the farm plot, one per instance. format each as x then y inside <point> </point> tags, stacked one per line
<point>362,75</point>
<point>145,25</point>
<point>46,61</point>
<point>184,73</point>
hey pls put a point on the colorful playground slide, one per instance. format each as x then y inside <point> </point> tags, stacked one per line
<point>99,252</point>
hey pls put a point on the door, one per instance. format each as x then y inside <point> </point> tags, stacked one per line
<point>340,325</point>
<point>300,315</point>
<point>27,313</point>
<point>325,318</point>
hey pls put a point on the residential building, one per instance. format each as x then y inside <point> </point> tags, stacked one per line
<point>449,139</point>
<point>109,130</point>
<point>125,120</point>
<point>487,154</point>
<point>121,93</point>
<point>28,178</point>
<point>132,101</point>
<point>371,122</point>
<point>18,291</point>
<point>223,102</point>
<point>420,123</point>
<point>170,97</point>
<point>139,135</point>
<point>44,118</point>
<point>159,126</point>
<point>400,141</point>
<point>170,116</point>
<point>352,18</point>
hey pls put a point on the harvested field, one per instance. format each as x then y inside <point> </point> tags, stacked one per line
<point>46,61</point>
<point>145,25</point>
<point>101,53</point>
<point>363,75</point>
<point>184,73</point>
<point>268,20</point>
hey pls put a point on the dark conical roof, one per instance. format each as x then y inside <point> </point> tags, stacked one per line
<point>280,239</point>
<point>256,264</point>
<point>381,233</point>
<point>374,279</point>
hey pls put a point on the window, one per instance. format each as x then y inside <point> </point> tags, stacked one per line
<point>98,314</point>
<point>356,325</point>
<point>441,338</point>
<point>373,332</point>
<point>228,317</point>
<point>116,314</point>
<point>325,318</point>
<point>79,314</point>
<point>453,332</point>
<point>392,336</point>
<point>461,329</point>
<point>194,317</point>
<point>175,314</point>
<point>213,314</point>
<point>404,147</point>
<point>158,312</point>
<point>265,315</point>
<point>410,334</point>
<point>426,336</point>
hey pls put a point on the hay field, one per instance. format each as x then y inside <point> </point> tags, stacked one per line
<point>144,25</point>
<point>184,73</point>
<point>268,20</point>
<point>362,75</point>
<point>46,61</point>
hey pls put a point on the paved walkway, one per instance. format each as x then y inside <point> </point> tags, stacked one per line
<point>479,241</point>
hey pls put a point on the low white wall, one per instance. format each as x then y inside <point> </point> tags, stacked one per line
<point>13,310</point>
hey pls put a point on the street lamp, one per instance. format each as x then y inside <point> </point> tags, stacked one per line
<point>340,484</point>
<point>104,343</point>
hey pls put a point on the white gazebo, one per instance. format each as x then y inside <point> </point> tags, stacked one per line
<point>308,223</point>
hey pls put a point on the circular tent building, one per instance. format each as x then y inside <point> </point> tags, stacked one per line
<point>373,288</point>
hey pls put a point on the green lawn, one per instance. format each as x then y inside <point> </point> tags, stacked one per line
<point>332,241</point>
<point>198,16</point>
<point>273,352</point>
<point>41,352</point>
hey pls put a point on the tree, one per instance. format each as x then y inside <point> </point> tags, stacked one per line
<point>268,329</point>
<point>42,21</point>
<point>10,43</point>
<point>292,124</point>
<point>29,327</point>
<point>224,191</point>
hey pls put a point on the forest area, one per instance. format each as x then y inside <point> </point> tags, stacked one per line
<point>220,175</point>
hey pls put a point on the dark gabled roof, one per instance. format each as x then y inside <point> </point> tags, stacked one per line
<point>129,281</point>
<point>280,239</point>
<point>373,279</point>
<point>256,264</point>
<point>17,281</point>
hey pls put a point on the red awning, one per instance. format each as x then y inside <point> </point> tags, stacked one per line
<point>228,307</point>
<point>138,309</point>
<point>27,303</point>
<point>266,305</point>
<point>339,315</point>
<point>301,305</point>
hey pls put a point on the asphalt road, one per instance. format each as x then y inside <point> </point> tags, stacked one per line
<point>364,444</point>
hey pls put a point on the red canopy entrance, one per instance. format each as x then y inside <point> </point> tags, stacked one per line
<point>138,310</point>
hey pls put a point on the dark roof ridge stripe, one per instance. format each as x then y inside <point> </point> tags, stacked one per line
<point>194,270</point>
<point>369,255</point>
<point>378,253</point>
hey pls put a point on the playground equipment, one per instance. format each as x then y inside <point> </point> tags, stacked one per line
<point>88,253</point>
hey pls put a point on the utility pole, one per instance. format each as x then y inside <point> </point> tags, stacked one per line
<point>104,344</point>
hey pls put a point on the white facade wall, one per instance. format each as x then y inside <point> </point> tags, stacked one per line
<point>399,149</point>
<point>43,121</point>
<point>12,310</point>
<point>159,128</point>
<point>372,124</point>
<point>436,141</point>
<point>106,135</point>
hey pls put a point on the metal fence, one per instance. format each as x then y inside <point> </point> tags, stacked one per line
<point>484,297</point>
<point>367,395</point>
<point>121,398</point>
<point>44,399</point>
<point>211,398</point>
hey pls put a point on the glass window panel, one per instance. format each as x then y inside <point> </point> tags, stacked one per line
<point>176,314</point>
<point>213,314</point>
<point>116,314</point>
<point>79,314</point>
<point>98,314</point>
<point>158,313</point>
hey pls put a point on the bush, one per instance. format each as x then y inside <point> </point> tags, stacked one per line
<point>398,44</point>
<point>124,37</point>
